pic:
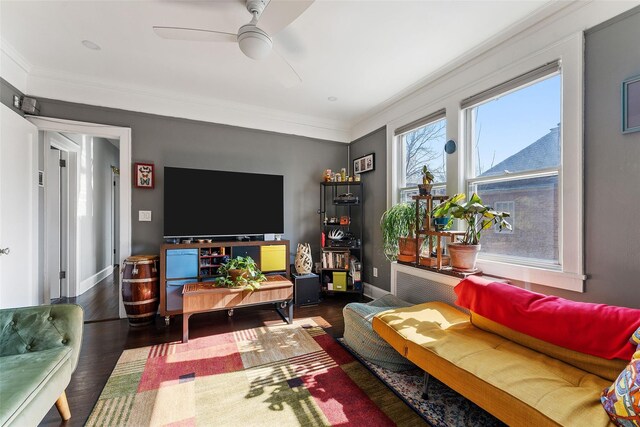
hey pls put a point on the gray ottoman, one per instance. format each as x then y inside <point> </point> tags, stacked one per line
<point>359,335</point>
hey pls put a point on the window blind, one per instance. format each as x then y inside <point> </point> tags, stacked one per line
<point>440,114</point>
<point>533,75</point>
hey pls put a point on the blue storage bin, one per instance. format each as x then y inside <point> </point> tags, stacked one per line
<point>182,263</point>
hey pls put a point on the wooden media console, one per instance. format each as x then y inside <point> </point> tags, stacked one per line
<point>203,297</point>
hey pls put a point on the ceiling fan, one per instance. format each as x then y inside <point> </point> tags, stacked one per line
<point>255,42</point>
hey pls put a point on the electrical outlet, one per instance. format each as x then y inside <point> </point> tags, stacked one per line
<point>375,272</point>
<point>144,216</point>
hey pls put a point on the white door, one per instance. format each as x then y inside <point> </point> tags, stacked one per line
<point>52,266</point>
<point>18,211</point>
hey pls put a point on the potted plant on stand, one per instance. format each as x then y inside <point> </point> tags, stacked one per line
<point>478,217</point>
<point>240,272</point>
<point>398,232</point>
<point>427,182</point>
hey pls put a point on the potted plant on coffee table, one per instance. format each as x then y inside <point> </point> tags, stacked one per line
<point>240,272</point>
<point>398,232</point>
<point>427,182</point>
<point>477,217</point>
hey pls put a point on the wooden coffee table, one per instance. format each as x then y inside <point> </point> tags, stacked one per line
<point>202,297</point>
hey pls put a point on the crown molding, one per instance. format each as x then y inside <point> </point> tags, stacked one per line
<point>46,83</point>
<point>14,68</point>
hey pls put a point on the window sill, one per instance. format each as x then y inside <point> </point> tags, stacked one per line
<point>540,276</point>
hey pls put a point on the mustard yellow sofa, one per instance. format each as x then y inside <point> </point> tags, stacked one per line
<point>521,380</point>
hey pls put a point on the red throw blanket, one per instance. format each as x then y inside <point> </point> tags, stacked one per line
<point>596,329</point>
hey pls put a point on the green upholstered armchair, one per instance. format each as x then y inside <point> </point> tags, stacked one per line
<point>39,349</point>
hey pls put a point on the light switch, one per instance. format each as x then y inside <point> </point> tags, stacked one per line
<point>144,216</point>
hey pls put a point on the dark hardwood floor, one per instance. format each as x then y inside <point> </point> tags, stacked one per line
<point>103,342</point>
<point>100,302</point>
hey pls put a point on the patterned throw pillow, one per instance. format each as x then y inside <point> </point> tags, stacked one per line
<point>622,399</point>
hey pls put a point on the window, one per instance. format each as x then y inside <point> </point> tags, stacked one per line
<point>514,142</point>
<point>422,143</point>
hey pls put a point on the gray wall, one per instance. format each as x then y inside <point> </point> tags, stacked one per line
<point>168,141</point>
<point>612,167</point>
<point>96,157</point>
<point>6,95</point>
<point>375,203</point>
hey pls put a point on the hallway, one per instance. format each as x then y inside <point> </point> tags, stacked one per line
<point>100,303</point>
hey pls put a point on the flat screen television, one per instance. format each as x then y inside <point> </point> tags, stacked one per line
<point>213,203</point>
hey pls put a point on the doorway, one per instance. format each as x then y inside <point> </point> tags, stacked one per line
<point>89,200</point>
<point>115,246</point>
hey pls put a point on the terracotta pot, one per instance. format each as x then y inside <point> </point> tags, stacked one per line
<point>237,273</point>
<point>407,246</point>
<point>463,257</point>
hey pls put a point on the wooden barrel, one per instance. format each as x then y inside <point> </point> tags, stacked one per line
<point>140,291</point>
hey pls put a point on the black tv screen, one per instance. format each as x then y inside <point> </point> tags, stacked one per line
<point>203,203</point>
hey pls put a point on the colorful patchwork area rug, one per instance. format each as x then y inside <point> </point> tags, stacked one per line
<point>288,375</point>
<point>443,408</point>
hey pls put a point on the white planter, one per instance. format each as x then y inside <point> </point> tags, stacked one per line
<point>463,257</point>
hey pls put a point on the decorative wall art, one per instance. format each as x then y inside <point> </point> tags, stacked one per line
<point>143,175</point>
<point>631,105</point>
<point>364,164</point>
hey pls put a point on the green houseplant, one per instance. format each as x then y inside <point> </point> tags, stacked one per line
<point>398,225</point>
<point>477,217</point>
<point>240,272</point>
<point>427,181</point>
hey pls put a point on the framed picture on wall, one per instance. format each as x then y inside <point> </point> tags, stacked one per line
<point>631,105</point>
<point>364,164</point>
<point>143,175</point>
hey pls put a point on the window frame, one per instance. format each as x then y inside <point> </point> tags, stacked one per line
<point>471,180</point>
<point>490,72</point>
<point>568,272</point>
<point>400,133</point>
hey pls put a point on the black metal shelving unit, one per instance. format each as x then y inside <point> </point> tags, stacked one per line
<point>331,206</point>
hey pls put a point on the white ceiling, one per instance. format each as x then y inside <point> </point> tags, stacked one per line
<point>362,51</point>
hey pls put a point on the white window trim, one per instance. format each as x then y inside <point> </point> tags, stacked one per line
<point>398,156</point>
<point>569,274</point>
<point>570,53</point>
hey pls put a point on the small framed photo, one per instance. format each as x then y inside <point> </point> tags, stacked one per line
<point>631,105</point>
<point>143,175</point>
<point>364,164</point>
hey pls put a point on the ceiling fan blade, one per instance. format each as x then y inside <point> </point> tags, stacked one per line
<point>280,13</point>
<point>193,34</point>
<point>282,70</point>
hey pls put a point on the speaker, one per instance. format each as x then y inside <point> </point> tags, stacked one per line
<point>306,289</point>
<point>30,106</point>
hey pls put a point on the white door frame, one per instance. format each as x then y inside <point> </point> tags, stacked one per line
<point>70,287</point>
<point>123,134</point>
<point>115,193</point>
<point>52,224</point>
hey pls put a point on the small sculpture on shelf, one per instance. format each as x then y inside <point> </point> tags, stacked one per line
<point>303,261</point>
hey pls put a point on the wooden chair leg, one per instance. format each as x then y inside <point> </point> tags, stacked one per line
<point>63,406</point>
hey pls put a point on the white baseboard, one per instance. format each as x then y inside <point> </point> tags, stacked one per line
<point>374,292</point>
<point>90,282</point>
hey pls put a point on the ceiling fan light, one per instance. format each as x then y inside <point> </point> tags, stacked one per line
<point>254,42</point>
